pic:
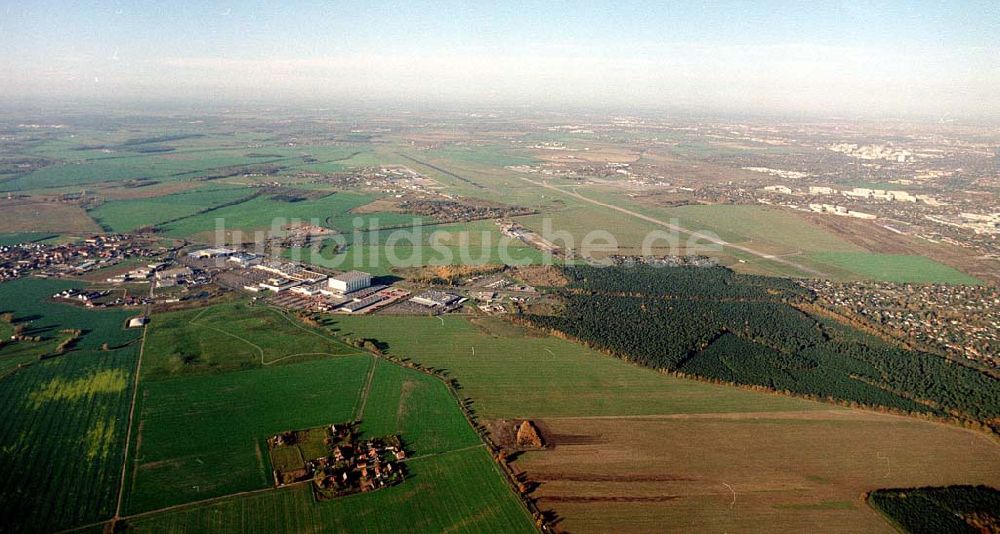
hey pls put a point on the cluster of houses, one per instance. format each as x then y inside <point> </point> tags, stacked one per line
<point>88,297</point>
<point>71,258</point>
<point>346,465</point>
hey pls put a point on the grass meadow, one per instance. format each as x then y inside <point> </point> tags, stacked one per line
<point>509,371</point>
<point>231,337</point>
<point>895,268</point>
<point>402,401</point>
<point>204,436</point>
<point>128,215</point>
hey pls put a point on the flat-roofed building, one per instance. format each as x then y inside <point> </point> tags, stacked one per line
<point>350,281</point>
<point>433,298</point>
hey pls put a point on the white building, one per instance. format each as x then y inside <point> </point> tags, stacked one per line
<point>821,190</point>
<point>212,253</point>
<point>350,281</point>
<point>779,189</point>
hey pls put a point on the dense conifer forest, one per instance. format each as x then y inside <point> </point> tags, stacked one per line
<point>949,509</point>
<point>722,326</point>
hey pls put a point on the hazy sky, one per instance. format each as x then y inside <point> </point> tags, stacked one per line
<point>828,57</point>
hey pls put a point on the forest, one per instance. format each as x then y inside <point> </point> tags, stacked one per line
<point>948,509</point>
<point>720,326</point>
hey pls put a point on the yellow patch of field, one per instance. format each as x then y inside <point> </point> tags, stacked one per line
<point>100,438</point>
<point>62,389</point>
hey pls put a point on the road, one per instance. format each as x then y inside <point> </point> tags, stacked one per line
<point>131,410</point>
<point>681,229</point>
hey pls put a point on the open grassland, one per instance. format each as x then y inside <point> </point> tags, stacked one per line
<point>261,213</point>
<point>458,491</point>
<point>204,436</point>
<point>127,215</point>
<point>568,228</point>
<point>785,472</point>
<point>760,224</point>
<point>402,401</point>
<point>895,268</point>
<point>229,337</point>
<point>468,177</point>
<point>475,243</point>
<point>509,371</point>
<point>50,217</point>
<point>86,169</point>
<point>62,419</point>
<point>496,156</point>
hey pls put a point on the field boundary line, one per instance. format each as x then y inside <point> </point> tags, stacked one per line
<point>247,341</point>
<point>281,313</point>
<point>131,416</point>
<point>363,400</point>
<point>443,453</point>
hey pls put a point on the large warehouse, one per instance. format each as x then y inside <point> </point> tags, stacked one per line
<point>350,281</point>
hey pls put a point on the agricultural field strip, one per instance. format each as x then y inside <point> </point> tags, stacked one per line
<point>681,229</point>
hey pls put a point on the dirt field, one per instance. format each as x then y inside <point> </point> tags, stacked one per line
<point>29,216</point>
<point>381,205</point>
<point>750,472</point>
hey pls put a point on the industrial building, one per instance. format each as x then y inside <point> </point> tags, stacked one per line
<point>350,281</point>
<point>212,253</point>
<point>435,298</point>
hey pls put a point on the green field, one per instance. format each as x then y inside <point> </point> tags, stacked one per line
<point>87,169</point>
<point>201,431</point>
<point>127,215</point>
<point>402,402</point>
<point>895,268</point>
<point>203,436</point>
<point>474,243</point>
<point>458,491</point>
<point>778,227</point>
<point>483,155</point>
<point>510,372</point>
<point>261,213</point>
<point>230,337</point>
<point>63,419</point>
<point>63,436</point>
